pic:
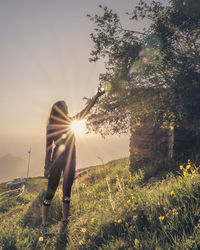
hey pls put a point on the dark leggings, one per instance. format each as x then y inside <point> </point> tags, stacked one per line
<point>68,169</point>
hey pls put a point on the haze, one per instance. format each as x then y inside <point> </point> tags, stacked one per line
<point>44,48</point>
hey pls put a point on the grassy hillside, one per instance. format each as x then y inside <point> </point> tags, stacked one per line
<point>110,209</point>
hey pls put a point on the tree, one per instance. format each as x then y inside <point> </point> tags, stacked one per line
<point>155,74</point>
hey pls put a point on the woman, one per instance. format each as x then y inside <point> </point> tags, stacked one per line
<point>61,155</point>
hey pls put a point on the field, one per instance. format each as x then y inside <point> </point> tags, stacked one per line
<point>110,209</point>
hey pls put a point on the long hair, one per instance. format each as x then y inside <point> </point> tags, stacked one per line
<point>59,110</point>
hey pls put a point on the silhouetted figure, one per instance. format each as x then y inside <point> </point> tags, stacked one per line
<point>61,155</point>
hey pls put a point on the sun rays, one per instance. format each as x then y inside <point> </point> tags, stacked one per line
<point>78,127</point>
<point>62,130</point>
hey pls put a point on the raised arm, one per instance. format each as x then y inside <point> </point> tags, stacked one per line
<point>85,111</point>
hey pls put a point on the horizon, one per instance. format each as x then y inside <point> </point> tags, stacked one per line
<point>43,61</point>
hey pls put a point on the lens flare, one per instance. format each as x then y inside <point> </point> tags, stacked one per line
<point>62,147</point>
<point>132,71</point>
<point>149,55</point>
<point>64,136</point>
<point>78,127</point>
<point>146,56</point>
<point>106,86</point>
<point>137,67</point>
<point>145,60</point>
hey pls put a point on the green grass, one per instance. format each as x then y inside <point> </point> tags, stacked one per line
<point>110,209</point>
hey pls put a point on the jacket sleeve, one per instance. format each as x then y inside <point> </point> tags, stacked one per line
<point>85,111</point>
<point>49,144</point>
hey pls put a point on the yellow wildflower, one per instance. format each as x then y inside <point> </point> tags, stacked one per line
<point>172,192</point>
<point>136,242</point>
<point>193,171</point>
<point>119,221</point>
<point>189,162</point>
<point>135,217</point>
<point>83,230</point>
<point>161,218</point>
<point>185,174</point>
<point>188,166</point>
<point>80,242</point>
<point>181,167</point>
<point>41,239</point>
<point>192,177</point>
<point>125,205</point>
<point>132,197</point>
<point>128,201</point>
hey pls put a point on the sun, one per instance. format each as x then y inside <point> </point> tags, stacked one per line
<point>79,127</point>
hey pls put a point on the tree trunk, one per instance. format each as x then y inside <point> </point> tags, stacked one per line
<point>148,142</point>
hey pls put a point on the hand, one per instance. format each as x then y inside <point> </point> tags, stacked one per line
<point>46,173</point>
<point>100,90</point>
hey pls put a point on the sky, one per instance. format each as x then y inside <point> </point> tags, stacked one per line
<point>44,49</point>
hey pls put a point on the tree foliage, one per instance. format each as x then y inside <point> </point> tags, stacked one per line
<point>155,74</point>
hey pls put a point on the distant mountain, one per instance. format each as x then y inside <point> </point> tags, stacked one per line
<point>12,167</point>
